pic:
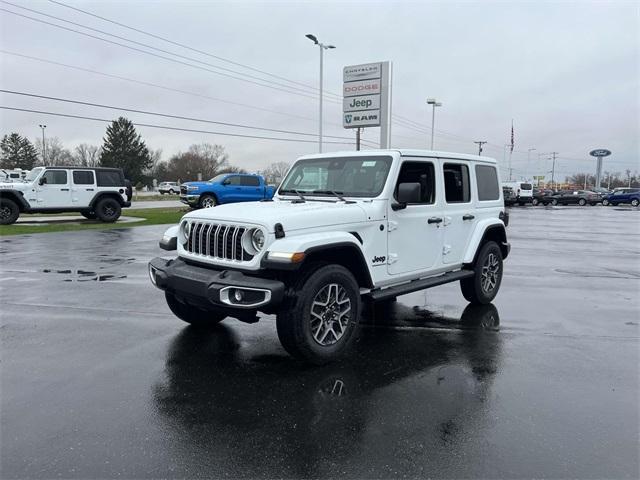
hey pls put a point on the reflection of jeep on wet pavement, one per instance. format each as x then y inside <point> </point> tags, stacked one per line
<point>94,192</point>
<point>343,228</point>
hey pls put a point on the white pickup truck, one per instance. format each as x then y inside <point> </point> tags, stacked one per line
<point>343,228</point>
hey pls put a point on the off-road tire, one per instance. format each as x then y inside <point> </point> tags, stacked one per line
<point>9,211</point>
<point>472,287</point>
<point>635,202</point>
<point>294,320</point>
<point>605,202</point>
<point>582,202</point>
<point>108,210</point>
<point>89,215</point>
<point>192,315</point>
<point>207,201</point>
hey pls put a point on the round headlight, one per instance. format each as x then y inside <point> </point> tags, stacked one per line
<point>183,232</point>
<point>257,239</point>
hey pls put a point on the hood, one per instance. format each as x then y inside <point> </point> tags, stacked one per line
<point>292,216</point>
<point>202,182</point>
<point>20,185</point>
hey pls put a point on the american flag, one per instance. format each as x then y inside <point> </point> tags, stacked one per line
<point>512,138</point>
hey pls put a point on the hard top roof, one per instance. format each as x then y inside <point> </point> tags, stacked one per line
<point>404,152</point>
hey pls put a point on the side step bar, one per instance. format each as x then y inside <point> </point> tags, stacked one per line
<point>414,286</point>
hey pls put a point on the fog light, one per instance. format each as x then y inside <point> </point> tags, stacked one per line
<point>238,295</point>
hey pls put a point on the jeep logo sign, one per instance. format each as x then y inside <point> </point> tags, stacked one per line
<point>600,152</point>
<point>366,102</point>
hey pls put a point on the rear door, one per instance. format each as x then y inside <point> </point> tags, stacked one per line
<point>83,187</point>
<point>459,211</point>
<point>55,192</point>
<point>251,188</point>
<point>415,233</point>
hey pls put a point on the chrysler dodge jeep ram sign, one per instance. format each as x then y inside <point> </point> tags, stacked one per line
<point>361,91</point>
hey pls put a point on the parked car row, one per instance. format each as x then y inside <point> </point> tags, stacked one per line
<point>619,196</point>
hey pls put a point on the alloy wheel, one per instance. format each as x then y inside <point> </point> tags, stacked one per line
<point>208,203</point>
<point>490,272</point>
<point>5,212</point>
<point>330,314</point>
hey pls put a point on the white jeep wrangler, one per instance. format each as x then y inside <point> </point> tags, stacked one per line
<point>343,228</point>
<point>94,192</point>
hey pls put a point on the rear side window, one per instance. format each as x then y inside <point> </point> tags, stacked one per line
<point>422,173</point>
<point>83,177</point>
<point>249,181</point>
<point>487,180</point>
<point>109,178</point>
<point>456,183</point>
<point>56,177</point>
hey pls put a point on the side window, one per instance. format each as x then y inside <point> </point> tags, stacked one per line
<point>83,177</point>
<point>109,178</point>
<point>233,180</point>
<point>456,183</point>
<point>422,173</point>
<point>249,181</point>
<point>56,177</point>
<point>487,179</point>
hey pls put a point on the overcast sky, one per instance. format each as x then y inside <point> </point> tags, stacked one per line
<point>567,73</point>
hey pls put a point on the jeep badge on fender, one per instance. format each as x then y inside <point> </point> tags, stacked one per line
<point>303,256</point>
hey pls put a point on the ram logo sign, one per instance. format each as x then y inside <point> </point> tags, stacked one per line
<point>362,119</point>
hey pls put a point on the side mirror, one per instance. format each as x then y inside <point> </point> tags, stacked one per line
<point>42,180</point>
<point>407,193</point>
<point>226,182</point>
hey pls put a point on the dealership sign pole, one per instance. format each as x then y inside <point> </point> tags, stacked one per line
<point>367,98</point>
<point>599,153</point>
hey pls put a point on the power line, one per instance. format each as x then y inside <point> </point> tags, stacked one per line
<point>191,59</point>
<point>166,115</point>
<point>166,127</point>
<point>182,45</point>
<point>156,55</point>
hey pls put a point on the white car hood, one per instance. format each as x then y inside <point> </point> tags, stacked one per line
<point>292,216</point>
<point>15,185</point>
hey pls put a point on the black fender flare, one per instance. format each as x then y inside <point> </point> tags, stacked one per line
<point>17,197</point>
<point>100,195</point>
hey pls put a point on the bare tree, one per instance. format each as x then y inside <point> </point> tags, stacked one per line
<point>56,154</point>
<point>86,155</point>
<point>275,172</point>
<point>203,159</point>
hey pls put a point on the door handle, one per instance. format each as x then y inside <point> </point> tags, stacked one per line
<point>468,217</point>
<point>64,189</point>
<point>434,220</point>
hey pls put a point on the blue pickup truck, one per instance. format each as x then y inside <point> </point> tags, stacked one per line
<point>225,188</point>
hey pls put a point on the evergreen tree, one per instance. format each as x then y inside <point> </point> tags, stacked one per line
<point>123,148</point>
<point>17,151</point>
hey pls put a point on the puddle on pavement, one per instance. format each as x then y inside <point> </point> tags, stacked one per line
<point>84,275</point>
<point>594,273</point>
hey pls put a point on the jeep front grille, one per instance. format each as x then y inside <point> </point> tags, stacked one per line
<point>217,241</point>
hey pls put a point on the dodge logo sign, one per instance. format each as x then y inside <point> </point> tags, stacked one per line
<point>600,152</point>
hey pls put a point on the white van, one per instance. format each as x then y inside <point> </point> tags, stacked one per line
<point>523,191</point>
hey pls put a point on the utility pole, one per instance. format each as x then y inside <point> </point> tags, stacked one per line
<point>44,146</point>
<point>480,143</point>
<point>358,138</point>
<point>553,168</point>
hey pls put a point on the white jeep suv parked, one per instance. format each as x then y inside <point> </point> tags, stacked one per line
<point>94,192</point>
<point>343,228</point>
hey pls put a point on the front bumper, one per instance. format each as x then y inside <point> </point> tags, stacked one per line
<point>219,289</point>
<point>191,200</point>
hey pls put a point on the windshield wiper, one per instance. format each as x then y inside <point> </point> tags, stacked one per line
<point>297,192</point>
<point>338,195</point>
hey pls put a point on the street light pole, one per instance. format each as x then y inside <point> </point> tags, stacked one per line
<point>526,173</point>
<point>44,147</point>
<point>322,48</point>
<point>434,103</point>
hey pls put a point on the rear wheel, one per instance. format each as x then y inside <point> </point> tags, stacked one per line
<point>534,202</point>
<point>171,192</point>
<point>554,202</point>
<point>89,215</point>
<point>635,202</point>
<point>319,321</point>
<point>192,315</point>
<point>207,201</point>
<point>108,210</point>
<point>9,211</point>
<point>605,202</point>
<point>483,286</point>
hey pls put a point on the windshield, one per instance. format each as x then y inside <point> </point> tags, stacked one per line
<point>348,176</point>
<point>33,174</point>
<point>525,186</point>
<point>218,178</point>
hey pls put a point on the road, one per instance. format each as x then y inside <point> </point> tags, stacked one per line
<point>99,380</point>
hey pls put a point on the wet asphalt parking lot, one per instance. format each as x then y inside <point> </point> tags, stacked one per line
<point>99,380</point>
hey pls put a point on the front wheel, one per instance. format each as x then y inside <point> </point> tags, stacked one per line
<point>319,321</point>
<point>192,315</point>
<point>605,202</point>
<point>207,201</point>
<point>483,286</point>
<point>554,202</point>
<point>9,211</point>
<point>635,202</point>
<point>171,192</point>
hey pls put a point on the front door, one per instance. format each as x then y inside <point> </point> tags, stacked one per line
<point>415,232</point>
<point>233,189</point>
<point>458,218</point>
<point>54,192</point>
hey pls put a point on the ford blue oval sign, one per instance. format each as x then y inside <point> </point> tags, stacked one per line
<point>600,152</point>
